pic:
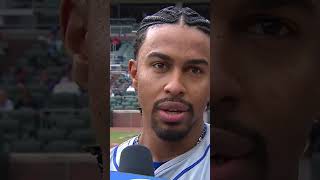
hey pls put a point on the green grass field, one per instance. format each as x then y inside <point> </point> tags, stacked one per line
<point>119,137</point>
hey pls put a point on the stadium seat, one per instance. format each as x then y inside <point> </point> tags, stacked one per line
<point>130,107</point>
<point>26,145</point>
<point>126,103</point>
<point>118,107</point>
<point>9,125</point>
<point>22,114</point>
<point>10,136</point>
<point>35,51</point>
<point>45,134</point>
<point>83,101</point>
<point>62,100</point>
<point>23,61</point>
<point>39,98</point>
<point>83,136</point>
<point>39,89</point>
<point>70,123</point>
<point>84,114</point>
<point>52,3</point>
<point>53,118</point>
<point>7,80</point>
<point>62,146</point>
<point>12,91</point>
<point>69,112</point>
<point>28,124</point>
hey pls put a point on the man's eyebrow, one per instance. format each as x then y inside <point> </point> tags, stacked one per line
<point>197,62</point>
<point>168,58</point>
<point>160,56</point>
<point>307,5</point>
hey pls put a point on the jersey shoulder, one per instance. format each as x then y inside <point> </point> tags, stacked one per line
<point>115,153</point>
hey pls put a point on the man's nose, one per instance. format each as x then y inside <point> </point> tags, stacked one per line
<point>175,85</point>
<point>225,86</point>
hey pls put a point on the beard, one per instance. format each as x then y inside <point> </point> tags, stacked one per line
<point>169,134</point>
<point>174,131</point>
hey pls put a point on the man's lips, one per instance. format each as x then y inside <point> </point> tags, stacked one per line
<point>231,155</point>
<point>173,106</point>
<point>173,112</point>
<point>230,145</point>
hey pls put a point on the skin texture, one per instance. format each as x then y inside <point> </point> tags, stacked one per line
<point>265,80</point>
<point>156,78</point>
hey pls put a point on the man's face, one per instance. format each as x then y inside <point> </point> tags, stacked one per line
<point>172,79</point>
<point>265,88</point>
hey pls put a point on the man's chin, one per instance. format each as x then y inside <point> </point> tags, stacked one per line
<point>171,131</point>
<point>170,134</point>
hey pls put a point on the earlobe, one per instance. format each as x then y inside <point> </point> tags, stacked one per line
<point>133,70</point>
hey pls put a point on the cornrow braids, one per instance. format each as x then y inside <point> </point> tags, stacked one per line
<point>170,15</point>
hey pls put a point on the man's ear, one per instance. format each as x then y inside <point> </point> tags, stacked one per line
<point>73,22</point>
<point>133,70</point>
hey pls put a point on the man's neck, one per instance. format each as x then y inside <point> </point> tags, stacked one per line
<point>165,150</point>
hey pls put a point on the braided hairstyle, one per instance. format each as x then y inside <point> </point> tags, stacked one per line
<point>170,15</point>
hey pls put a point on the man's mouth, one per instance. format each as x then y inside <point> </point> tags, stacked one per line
<point>173,106</point>
<point>231,154</point>
<point>173,111</point>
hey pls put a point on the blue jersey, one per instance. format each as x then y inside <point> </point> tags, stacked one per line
<point>192,165</point>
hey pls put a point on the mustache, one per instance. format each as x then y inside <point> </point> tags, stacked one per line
<point>173,99</point>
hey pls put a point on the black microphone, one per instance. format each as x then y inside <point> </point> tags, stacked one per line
<point>136,159</point>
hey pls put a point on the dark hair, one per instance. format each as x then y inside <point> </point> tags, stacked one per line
<point>170,15</point>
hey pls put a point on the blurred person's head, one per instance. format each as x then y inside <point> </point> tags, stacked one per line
<point>170,72</point>
<point>265,86</point>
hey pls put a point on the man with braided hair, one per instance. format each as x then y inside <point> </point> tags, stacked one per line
<point>171,75</point>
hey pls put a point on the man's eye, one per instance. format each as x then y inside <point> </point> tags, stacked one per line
<point>159,66</point>
<point>195,70</point>
<point>268,26</point>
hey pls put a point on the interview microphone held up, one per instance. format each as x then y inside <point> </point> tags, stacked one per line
<point>136,159</point>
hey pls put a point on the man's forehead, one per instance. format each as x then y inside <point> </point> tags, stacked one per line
<point>169,38</point>
<point>171,35</point>
<point>164,31</point>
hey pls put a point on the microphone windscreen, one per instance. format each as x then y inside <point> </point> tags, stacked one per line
<point>136,159</point>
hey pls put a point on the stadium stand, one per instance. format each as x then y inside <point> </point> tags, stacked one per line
<point>61,123</point>
<point>61,116</point>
